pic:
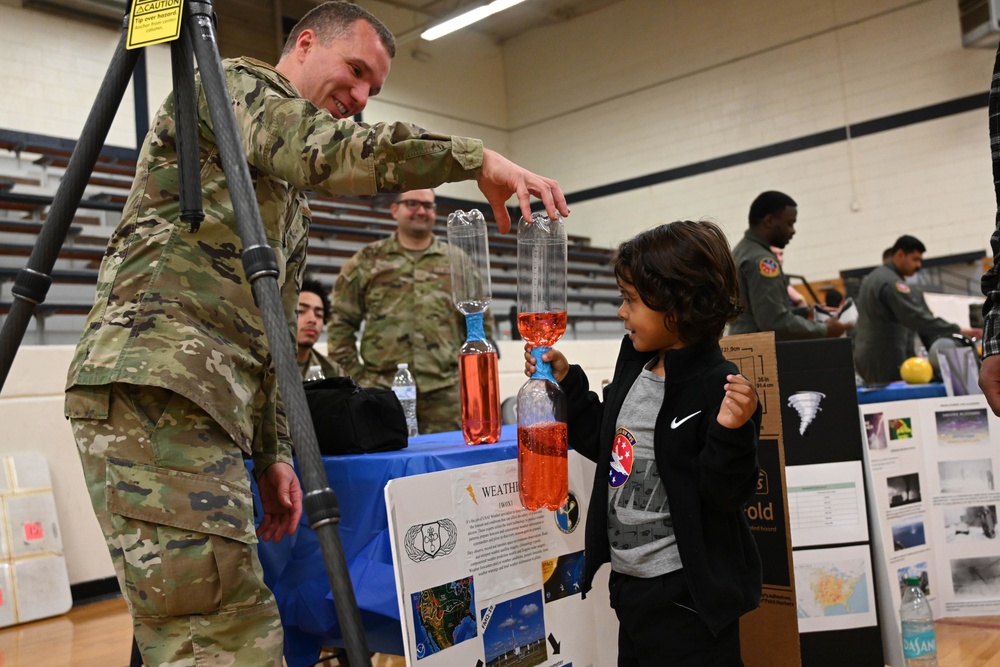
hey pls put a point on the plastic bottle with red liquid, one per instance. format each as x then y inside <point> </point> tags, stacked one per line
<point>541,405</point>
<point>478,375</point>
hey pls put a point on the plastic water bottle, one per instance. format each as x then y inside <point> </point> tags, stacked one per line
<point>405,388</point>
<point>315,373</point>
<point>478,371</point>
<point>919,643</point>
<point>541,405</point>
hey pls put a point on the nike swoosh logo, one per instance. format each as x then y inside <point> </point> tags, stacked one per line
<point>675,423</point>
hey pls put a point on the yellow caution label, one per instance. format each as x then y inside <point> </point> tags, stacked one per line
<point>153,22</point>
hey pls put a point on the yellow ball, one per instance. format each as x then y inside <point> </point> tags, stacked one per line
<point>916,370</point>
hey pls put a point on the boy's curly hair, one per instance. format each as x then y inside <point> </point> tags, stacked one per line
<point>685,270</point>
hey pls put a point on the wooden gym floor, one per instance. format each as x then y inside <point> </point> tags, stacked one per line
<point>99,634</point>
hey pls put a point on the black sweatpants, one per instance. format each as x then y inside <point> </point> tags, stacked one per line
<point>658,626</point>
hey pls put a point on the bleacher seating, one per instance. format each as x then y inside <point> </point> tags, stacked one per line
<point>30,170</point>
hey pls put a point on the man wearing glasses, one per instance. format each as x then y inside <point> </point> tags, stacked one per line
<point>397,292</point>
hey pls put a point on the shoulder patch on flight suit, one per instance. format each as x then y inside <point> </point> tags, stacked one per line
<point>769,268</point>
<point>902,287</point>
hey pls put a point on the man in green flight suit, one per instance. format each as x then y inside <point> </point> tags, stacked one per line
<point>400,289</point>
<point>763,284</point>
<point>890,312</point>
<point>172,381</point>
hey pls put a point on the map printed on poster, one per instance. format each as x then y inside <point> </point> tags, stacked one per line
<point>933,464</point>
<point>834,588</point>
<point>481,580</point>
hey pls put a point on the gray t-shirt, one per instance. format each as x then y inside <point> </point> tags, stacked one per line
<point>640,530</point>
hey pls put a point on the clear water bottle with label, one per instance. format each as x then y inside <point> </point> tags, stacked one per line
<point>919,642</point>
<point>405,388</point>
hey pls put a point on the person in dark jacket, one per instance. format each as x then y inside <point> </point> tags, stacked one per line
<point>675,442</point>
<point>891,311</point>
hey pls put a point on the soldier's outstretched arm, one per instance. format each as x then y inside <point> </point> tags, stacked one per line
<point>500,178</point>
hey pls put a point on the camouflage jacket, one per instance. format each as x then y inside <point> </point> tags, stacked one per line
<point>327,366</point>
<point>409,316</point>
<point>173,308</point>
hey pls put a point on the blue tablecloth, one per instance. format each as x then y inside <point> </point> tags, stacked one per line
<point>900,391</point>
<point>294,568</point>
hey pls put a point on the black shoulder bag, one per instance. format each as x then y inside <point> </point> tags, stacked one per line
<point>351,419</point>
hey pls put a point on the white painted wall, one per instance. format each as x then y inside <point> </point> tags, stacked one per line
<point>649,85</point>
<point>53,68</point>
<point>31,410</point>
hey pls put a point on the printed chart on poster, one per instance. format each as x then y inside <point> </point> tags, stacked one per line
<point>483,581</point>
<point>933,463</point>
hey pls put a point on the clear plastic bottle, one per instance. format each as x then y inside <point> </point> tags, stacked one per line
<point>541,405</point>
<point>405,388</point>
<point>315,373</point>
<point>478,372</point>
<point>919,643</point>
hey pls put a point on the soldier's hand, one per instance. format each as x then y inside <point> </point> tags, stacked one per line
<point>281,498</point>
<point>500,178</point>
<point>739,404</point>
<point>834,327</point>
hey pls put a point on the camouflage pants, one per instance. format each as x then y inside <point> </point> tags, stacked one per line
<point>439,410</point>
<point>172,495</point>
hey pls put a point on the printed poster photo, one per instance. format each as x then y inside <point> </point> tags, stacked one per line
<point>903,489</point>
<point>918,570</point>
<point>900,429</point>
<point>962,427</point>
<point>966,476</point>
<point>976,578</point>
<point>443,616</point>
<point>970,524</point>
<point>908,533</point>
<point>875,431</point>
<point>562,576</point>
<point>514,632</point>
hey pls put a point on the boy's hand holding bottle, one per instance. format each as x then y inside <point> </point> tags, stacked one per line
<point>739,404</point>
<point>558,360</point>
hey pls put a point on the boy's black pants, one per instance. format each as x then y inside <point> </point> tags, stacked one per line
<point>658,626</point>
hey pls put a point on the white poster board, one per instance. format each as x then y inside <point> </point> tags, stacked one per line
<point>482,581</point>
<point>933,464</point>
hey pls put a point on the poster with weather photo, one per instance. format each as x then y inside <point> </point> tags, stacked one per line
<point>507,589</point>
<point>937,509</point>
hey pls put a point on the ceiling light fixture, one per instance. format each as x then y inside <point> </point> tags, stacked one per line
<point>468,18</point>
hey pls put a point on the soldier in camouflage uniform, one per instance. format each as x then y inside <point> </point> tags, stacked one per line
<point>763,284</point>
<point>172,381</point>
<point>314,312</point>
<point>400,287</point>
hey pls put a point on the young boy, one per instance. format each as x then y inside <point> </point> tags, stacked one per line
<point>675,442</point>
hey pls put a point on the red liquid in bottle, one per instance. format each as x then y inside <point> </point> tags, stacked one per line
<point>542,465</point>
<point>541,329</point>
<point>479,383</point>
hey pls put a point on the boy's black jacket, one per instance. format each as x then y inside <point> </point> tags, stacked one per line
<point>709,473</point>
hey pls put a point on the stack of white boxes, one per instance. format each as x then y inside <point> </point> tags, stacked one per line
<point>34,582</point>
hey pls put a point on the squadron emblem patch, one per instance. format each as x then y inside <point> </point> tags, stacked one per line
<point>769,268</point>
